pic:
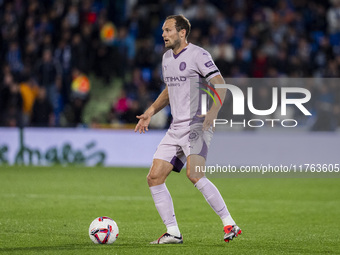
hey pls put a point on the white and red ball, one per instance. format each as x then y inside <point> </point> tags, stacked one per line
<point>103,230</point>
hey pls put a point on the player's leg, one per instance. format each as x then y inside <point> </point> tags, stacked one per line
<point>208,189</point>
<point>158,173</point>
<point>195,164</point>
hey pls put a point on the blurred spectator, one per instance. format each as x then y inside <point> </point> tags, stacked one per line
<point>333,17</point>
<point>80,54</point>
<point>224,55</point>
<point>9,24</point>
<point>43,27</point>
<point>42,113</point>
<point>72,16</point>
<point>133,110</point>
<point>126,45</point>
<point>106,63</point>
<point>79,97</point>
<point>29,91</point>
<point>201,21</point>
<point>63,60</point>
<point>121,106</point>
<point>260,66</point>
<point>146,56</point>
<point>143,96</point>
<point>11,103</point>
<point>187,9</point>
<point>14,57</point>
<point>48,75</point>
<point>131,87</point>
<point>155,85</point>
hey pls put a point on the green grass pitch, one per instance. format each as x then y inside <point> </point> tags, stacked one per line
<point>48,211</point>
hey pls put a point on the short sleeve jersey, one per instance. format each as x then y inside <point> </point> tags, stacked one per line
<point>182,73</point>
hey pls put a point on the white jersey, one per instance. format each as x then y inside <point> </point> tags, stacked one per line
<point>182,73</point>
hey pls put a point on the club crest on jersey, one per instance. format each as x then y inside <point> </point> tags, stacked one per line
<point>182,66</point>
<point>193,136</point>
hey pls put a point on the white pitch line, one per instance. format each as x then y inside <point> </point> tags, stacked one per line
<point>76,197</point>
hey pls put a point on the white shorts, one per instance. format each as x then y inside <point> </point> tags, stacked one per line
<point>178,144</point>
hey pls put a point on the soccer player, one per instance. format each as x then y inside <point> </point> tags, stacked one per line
<point>189,135</point>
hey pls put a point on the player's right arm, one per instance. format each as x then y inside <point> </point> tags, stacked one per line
<point>159,104</point>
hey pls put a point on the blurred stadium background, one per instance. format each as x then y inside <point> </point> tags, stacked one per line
<point>96,64</point>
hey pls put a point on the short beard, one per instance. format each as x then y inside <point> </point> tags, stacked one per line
<point>176,43</point>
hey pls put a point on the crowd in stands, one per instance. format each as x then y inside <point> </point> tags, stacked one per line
<point>44,44</point>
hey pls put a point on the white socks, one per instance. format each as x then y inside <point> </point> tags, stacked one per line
<point>165,208</point>
<point>215,200</point>
<point>173,230</point>
<point>228,221</point>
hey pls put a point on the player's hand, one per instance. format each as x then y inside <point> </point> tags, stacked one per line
<point>208,120</point>
<point>143,123</point>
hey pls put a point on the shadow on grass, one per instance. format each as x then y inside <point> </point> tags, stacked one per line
<point>86,246</point>
<point>89,247</point>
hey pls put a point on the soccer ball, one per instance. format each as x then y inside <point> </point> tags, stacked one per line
<point>103,230</point>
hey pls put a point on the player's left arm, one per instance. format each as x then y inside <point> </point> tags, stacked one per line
<point>207,68</point>
<point>215,108</point>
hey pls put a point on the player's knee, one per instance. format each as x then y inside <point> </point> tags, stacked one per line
<point>191,178</point>
<point>153,179</point>
<point>194,176</point>
<point>150,177</point>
